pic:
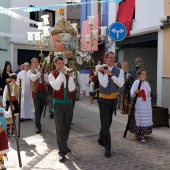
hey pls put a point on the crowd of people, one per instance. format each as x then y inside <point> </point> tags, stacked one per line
<point>106,83</point>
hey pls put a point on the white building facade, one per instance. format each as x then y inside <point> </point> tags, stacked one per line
<point>148,41</point>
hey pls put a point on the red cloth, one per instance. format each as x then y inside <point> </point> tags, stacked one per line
<point>41,87</point>
<point>60,93</point>
<point>3,142</point>
<point>142,94</point>
<point>125,14</point>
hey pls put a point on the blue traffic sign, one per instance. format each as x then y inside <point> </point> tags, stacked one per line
<point>117,31</point>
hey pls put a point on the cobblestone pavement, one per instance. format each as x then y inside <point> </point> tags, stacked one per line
<point>40,152</point>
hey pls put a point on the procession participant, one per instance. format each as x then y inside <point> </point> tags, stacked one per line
<point>77,81</point>
<point>63,85</point>
<point>26,100</point>
<point>14,88</point>
<point>111,79</point>
<point>4,148</point>
<point>141,122</point>
<point>38,87</point>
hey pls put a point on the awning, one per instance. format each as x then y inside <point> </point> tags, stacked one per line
<point>125,14</point>
<point>86,30</point>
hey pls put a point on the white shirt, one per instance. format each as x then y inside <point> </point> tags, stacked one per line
<point>56,83</point>
<point>103,78</point>
<point>34,77</point>
<point>5,94</point>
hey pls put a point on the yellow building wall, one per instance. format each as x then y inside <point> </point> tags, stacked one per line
<point>166,43</point>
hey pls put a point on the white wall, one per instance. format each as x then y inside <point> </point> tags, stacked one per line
<point>113,7</point>
<point>160,68</point>
<point>148,13</point>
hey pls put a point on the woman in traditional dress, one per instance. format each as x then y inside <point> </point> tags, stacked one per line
<point>141,122</point>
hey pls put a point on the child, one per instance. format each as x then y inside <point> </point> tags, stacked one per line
<point>4,148</point>
<point>91,91</point>
<point>14,88</point>
<point>141,122</point>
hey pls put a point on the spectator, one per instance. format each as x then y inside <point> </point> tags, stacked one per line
<point>19,68</point>
<point>91,91</point>
<point>6,72</point>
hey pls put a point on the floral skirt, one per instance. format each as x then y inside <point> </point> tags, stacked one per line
<point>140,131</point>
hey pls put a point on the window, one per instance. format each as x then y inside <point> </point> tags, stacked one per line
<point>36,16</point>
<point>73,15</point>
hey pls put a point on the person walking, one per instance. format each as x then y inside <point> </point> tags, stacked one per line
<point>141,122</point>
<point>111,79</point>
<point>15,90</point>
<point>38,87</point>
<point>63,84</point>
<point>26,100</point>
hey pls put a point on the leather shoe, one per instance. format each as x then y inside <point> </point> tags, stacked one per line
<point>68,150</point>
<point>107,153</point>
<point>62,158</point>
<point>38,130</point>
<point>100,141</point>
<point>52,115</point>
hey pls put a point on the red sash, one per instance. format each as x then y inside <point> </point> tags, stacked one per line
<point>41,87</point>
<point>142,94</point>
<point>13,98</point>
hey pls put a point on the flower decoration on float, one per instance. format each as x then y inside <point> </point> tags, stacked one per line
<point>81,59</point>
<point>60,54</point>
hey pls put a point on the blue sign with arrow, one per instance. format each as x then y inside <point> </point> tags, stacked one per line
<point>117,31</point>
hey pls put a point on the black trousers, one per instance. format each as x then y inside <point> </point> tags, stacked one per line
<point>63,114</point>
<point>16,105</point>
<point>39,100</point>
<point>50,98</point>
<point>74,97</point>
<point>106,107</point>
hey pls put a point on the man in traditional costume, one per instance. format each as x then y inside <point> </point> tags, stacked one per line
<point>63,85</point>
<point>26,101</point>
<point>111,79</point>
<point>38,87</point>
<point>4,148</point>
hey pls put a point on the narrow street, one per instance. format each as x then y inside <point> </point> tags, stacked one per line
<point>39,151</point>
